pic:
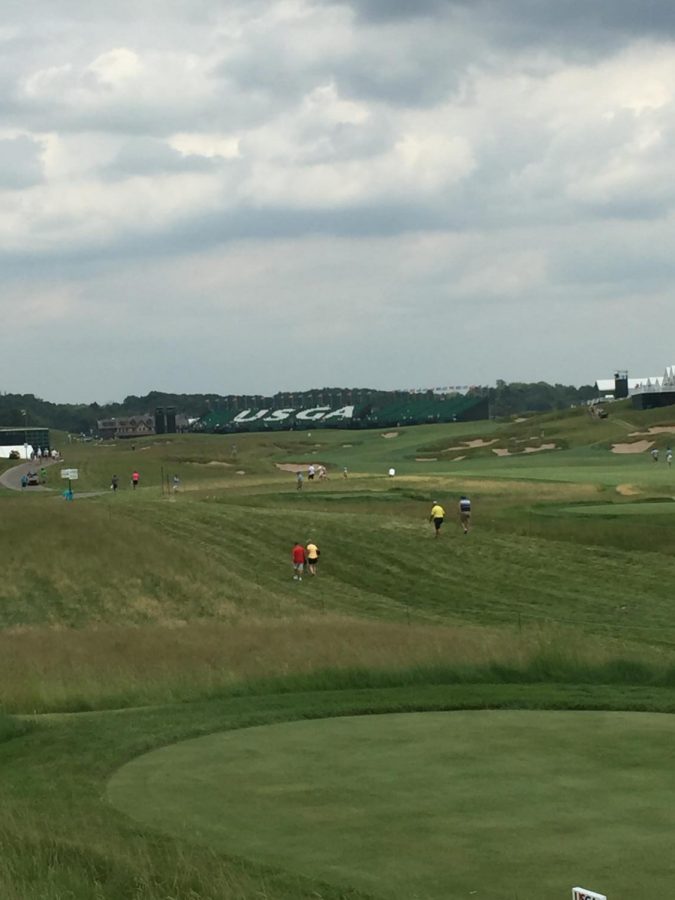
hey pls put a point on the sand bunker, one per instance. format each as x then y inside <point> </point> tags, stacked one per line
<point>294,467</point>
<point>635,447</point>
<point>655,429</point>
<point>211,462</point>
<point>471,445</point>
<point>347,445</point>
<point>391,434</point>
<point>627,490</point>
<point>426,459</point>
<point>538,449</point>
<point>502,451</point>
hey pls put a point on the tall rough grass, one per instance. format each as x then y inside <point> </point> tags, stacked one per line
<point>44,670</point>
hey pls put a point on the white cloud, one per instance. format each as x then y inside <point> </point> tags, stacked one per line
<point>356,164</point>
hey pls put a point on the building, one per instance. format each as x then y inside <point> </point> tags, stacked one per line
<point>650,393</point>
<point>126,427</point>
<point>23,440</point>
<point>620,386</point>
<point>647,392</point>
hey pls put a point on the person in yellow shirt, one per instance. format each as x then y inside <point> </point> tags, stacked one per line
<point>313,554</point>
<point>437,516</point>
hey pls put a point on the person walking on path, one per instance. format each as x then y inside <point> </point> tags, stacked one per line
<point>43,475</point>
<point>24,481</point>
<point>135,478</point>
<point>313,554</point>
<point>114,482</point>
<point>310,473</point>
<point>465,513</point>
<point>298,557</point>
<point>437,516</point>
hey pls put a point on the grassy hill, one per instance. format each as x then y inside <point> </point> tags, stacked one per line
<point>171,614</point>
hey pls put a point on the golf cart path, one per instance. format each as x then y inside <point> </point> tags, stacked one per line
<point>12,479</point>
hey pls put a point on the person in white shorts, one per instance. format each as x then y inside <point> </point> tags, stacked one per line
<point>465,513</point>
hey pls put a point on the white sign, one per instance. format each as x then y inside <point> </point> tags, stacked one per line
<point>314,414</point>
<point>70,474</point>
<point>583,894</point>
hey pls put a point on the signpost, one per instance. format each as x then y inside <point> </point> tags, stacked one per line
<point>71,475</point>
<point>584,894</point>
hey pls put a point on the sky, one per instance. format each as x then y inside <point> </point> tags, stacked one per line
<point>265,195</point>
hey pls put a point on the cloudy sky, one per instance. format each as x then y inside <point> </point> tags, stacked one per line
<point>262,195</point>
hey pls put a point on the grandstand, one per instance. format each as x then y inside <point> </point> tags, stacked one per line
<point>653,392</point>
<point>341,408</point>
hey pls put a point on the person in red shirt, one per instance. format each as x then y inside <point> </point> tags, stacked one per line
<point>298,556</point>
<point>135,478</point>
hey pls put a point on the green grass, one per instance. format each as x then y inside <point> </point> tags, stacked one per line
<point>179,612</point>
<point>435,805</point>
<point>60,839</point>
<point>643,509</point>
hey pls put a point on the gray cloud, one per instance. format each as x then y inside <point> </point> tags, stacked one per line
<point>548,20</point>
<point>149,156</point>
<point>20,163</point>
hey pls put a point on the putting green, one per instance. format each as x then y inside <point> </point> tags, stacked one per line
<point>494,805</point>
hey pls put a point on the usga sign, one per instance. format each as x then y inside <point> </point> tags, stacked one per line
<point>314,414</point>
<point>583,894</point>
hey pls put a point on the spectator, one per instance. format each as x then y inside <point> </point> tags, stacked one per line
<point>465,513</point>
<point>313,554</point>
<point>298,557</point>
<point>437,516</point>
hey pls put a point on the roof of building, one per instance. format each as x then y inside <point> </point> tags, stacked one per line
<point>607,385</point>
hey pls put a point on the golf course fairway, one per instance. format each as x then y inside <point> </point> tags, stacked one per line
<point>495,805</point>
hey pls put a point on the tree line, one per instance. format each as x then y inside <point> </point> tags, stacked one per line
<point>506,398</point>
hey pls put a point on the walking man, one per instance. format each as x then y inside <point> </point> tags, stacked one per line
<point>135,478</point>
<point>298,557</point>
<point>114,481</point>
<point>298,480</point>
<point>437,516</point>
<point>465,513</point>
<point>313,554</point>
